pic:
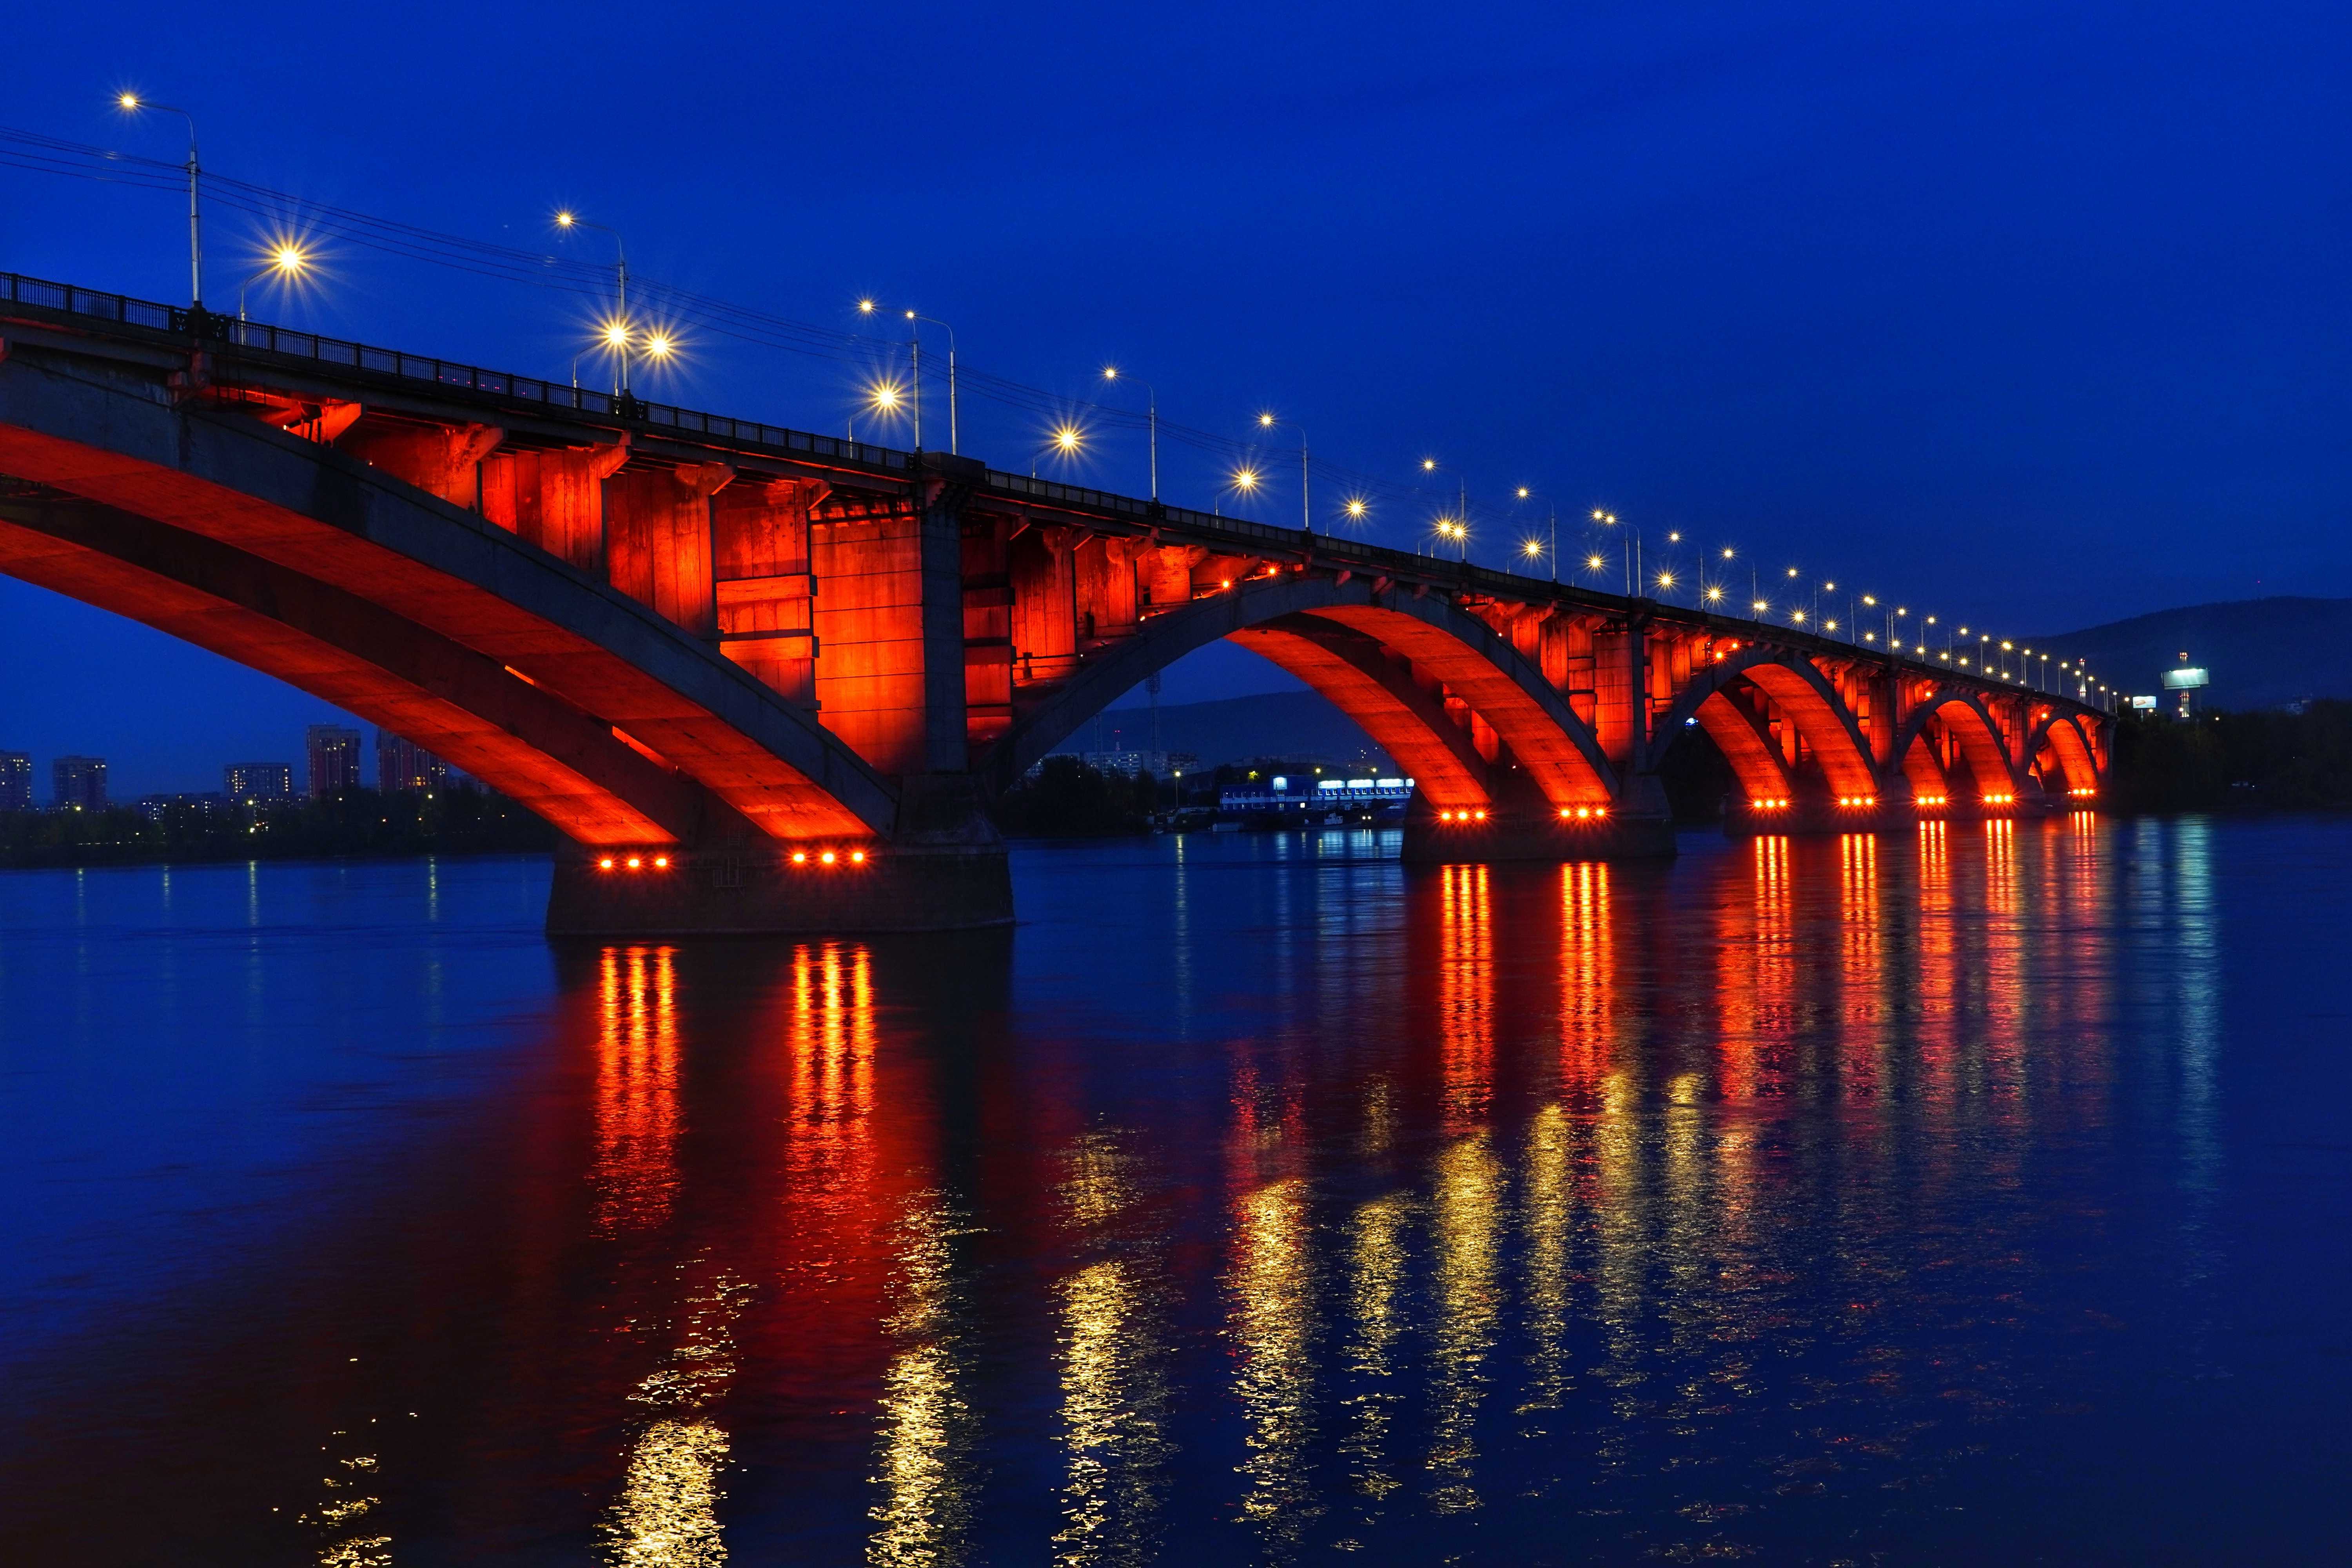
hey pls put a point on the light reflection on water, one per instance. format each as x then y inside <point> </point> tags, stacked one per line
<point>1263,1198</point>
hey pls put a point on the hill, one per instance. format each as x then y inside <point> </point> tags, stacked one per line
<point>1288,724</point>
<point>2263,653</point>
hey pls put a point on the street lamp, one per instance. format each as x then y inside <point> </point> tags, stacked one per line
<point>1151,420</point>
<point>1461,518</point>
<point>616,334</point>
<point>132,103</point>
<point>1268,422</point>
<point>1246,480</point>
<point>287,260</point>
<point>914,333</point>
<point>1552,549</point>
<point>1608,519</point>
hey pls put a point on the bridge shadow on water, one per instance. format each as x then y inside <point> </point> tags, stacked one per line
<point>1859,1199</point>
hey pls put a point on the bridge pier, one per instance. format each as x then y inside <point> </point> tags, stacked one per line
<point>944,869</point>
<point>1432,837</point>
<point>771,890</point>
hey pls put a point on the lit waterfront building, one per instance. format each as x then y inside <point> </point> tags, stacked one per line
<point>208,805</point>
<point>258,784</point>
<point>403,765</point>
<point>16,781</point>
<point>1159,764</point>
<point>78,783</point>
<point>334,756</point>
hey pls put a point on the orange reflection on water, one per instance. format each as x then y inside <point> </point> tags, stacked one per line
<point>638,1118</point>
<point>2002,965</point>
<point>1937,983</point>
<point>1466,993</point>
<point>1585,959</point>
<point>1861,967</point>
<point>831,1051</point>
<point>1757,978</point>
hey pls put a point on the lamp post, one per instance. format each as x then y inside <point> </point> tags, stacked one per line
<point>132,103</point>
<point>1607,519</point>
<point>1151,420</point>
<point>1246,480</point>
<point>286,261</point>
<point>617,334</point>
<point>1552,549</point>
<point>1456,528</point>
<point>1268,422</point>
<point>914,331</point>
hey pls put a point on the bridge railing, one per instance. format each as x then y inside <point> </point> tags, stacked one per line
<point>240,338</point>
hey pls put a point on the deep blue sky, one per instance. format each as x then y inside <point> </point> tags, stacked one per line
<point>2038,313</point>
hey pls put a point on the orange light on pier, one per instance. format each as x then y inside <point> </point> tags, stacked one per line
<point>1767,804</point>
<point>606,863</point>
<point>828,857</point>
<point>799,856</point>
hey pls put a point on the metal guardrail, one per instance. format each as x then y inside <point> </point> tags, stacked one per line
<point>241,337</point>
<point>245,337</point>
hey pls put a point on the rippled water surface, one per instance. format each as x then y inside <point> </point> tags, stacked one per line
<point>1981,1197</point>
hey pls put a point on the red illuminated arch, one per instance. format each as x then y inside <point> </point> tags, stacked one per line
<point>1277,616</point>
<point>1802,692</point>
<point>1958,716</point>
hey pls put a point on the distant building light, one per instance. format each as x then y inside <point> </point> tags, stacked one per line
<point>1332,784</point>
<point>1280,783</point>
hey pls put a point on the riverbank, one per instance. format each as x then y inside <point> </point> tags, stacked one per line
<point>359,824</point>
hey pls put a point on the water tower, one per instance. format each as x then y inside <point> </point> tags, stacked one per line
<point>2188,679</point>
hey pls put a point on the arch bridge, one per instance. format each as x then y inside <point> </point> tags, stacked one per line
<point>762,679</point>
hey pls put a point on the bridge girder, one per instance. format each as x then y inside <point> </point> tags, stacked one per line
<point>112,438</point>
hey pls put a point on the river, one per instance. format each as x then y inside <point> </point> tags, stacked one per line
<point>1980,1196</point>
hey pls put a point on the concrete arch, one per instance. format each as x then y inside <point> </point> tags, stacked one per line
<point>318,517</point>
<point>2059,736</point>
<point>1278,615</point>
<point>1970,724</point>
<point>1802,692</point>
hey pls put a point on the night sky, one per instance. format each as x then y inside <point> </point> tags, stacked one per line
<point>2035,315</point>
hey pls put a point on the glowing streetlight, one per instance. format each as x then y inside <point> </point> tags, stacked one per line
<point>1150,418</point>
<point>1357,509</point>
<point>287,260</point>
<point>132,103</point>
<point>914,337</point>
<point>616,335</point>
<point>1268,422</point>
<point>1551,548</point>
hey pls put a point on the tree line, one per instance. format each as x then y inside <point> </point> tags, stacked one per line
<point>354,822</point>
